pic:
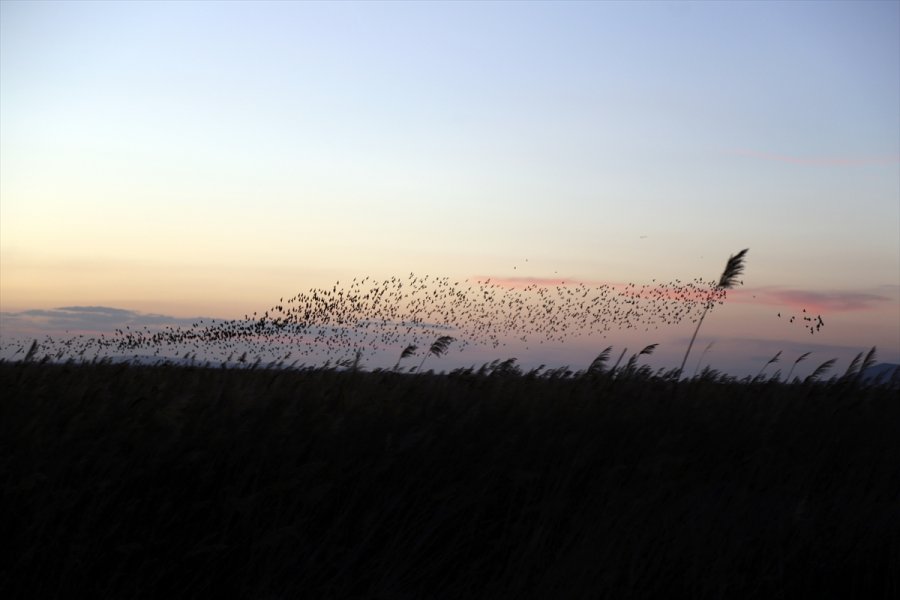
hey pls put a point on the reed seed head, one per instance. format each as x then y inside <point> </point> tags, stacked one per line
<point>733,269</point>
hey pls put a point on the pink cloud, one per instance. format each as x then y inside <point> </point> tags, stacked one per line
<point>822,161</point>
<point>834,301</point>
<point>819,301</point>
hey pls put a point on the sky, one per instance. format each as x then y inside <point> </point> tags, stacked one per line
<point>177,159</point>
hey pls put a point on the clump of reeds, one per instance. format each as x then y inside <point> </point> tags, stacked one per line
<point>771,361</point>
<point>820,370</point>
<point>407,352</point>
<point>597,365</point>
<point>438,348</point>
<point>801,358</point>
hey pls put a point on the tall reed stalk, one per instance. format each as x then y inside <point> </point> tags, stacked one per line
<point>729,278</point>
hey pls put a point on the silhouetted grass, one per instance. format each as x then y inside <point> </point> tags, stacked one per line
<point>120,481</point>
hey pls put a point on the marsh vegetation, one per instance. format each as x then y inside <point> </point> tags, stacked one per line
<point>127,481</point>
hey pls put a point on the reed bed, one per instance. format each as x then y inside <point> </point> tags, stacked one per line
<point>124,481</point>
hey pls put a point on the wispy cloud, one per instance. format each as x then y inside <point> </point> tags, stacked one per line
<point>86,319</point>
<point>821,301</point>
<point>759,348</point>
<point>818,301</point>
<point>821,161</point>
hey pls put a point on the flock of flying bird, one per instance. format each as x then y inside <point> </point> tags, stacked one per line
<point>368,317</point>
<point>811,323</point>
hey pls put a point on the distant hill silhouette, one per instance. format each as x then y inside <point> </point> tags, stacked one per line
<point>883,370</point>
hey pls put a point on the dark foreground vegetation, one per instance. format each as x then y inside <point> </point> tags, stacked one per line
<point>120,481</point>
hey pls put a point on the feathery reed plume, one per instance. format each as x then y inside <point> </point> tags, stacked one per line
<point>407,352</point>
<point>894,380</point>
<point>774,359</point>
<point>801,358</point>
<point>438,348</point>
<point>597,364</point>
<point>648,349</point>
<point>536,371</point>
<point>508,367</point>
<point>820,370</point>
<point>733,268</point>
<point>853,367</point>
<point>613,370</point>
<point>440,345</point>
<point>632,362</point>
<point>29,356</point>
<point>868,362</point>
<point>710,374</point>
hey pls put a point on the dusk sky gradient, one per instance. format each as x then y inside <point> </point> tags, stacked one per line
<point>189,159</point>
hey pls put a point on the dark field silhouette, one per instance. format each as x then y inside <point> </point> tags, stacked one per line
<point>125,481</point>
<point>272,480</point>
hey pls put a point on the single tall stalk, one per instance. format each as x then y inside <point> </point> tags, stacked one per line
<point>733,269</point>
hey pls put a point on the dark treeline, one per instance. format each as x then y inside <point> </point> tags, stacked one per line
<point>124,481</point>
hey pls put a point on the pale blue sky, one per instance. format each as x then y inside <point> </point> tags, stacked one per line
<point>285,145</point>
